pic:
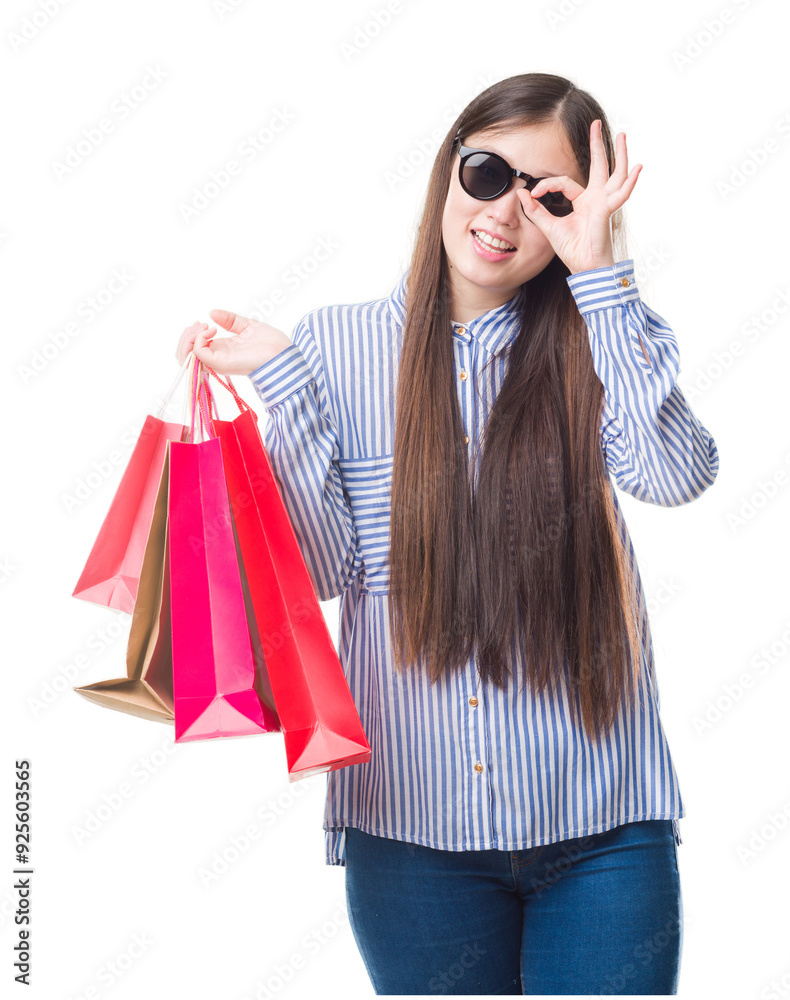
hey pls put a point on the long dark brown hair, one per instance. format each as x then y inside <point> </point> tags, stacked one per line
<point>532,550</point>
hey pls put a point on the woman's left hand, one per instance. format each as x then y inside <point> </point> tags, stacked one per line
<point>583,239</point>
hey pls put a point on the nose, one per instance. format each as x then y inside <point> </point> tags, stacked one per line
<point>507,209</point>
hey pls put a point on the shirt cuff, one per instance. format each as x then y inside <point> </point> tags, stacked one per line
<point>604,287</point>
<point>280,376</point>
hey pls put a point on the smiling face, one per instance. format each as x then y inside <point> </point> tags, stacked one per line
<point>480,280</point>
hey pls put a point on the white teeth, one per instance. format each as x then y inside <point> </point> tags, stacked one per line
<point>492,241</point>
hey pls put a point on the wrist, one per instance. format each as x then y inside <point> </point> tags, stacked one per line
<point>593,265</point>
<point>275,349</point>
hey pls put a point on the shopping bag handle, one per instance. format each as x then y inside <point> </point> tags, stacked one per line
<point>242,405</point>
<point>201,402</point>
<point>160,413</point>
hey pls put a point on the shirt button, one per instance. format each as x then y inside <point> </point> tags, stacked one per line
<point>462,375</point>
<point>473,701</point>
<point>478,767</point>
<point>461,329</point>
<point>625,282</point>
<point>466,439</point>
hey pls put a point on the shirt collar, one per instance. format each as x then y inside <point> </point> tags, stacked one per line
<point>491,331</point>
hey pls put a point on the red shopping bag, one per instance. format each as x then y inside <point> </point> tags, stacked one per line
<point>214,678</point>
<point>112,573</point>
<point>320,721</point>
<point>147,689</point>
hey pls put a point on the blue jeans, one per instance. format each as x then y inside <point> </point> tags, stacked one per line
<point>589,915</point>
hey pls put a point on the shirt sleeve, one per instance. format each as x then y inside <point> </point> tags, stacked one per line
<point>302,444</point>
<point>654,445</point>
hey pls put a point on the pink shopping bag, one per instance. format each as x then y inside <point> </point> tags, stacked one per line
<point>214,677</point>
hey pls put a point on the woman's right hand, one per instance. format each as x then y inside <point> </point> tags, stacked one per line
<point>252,344</point>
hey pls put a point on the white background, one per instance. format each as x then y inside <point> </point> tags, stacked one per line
<point>703,106</point>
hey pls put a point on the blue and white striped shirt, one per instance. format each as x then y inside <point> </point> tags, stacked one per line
<point>331,399</point>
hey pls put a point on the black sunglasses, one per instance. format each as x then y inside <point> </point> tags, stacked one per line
<point>485,176</point>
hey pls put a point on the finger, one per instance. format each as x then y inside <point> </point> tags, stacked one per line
<point>202,348</point>
<point>620,171</point>
<point>186,340</point>
<point>533,209</point>
<point>630,181</point>
<point>569,187</point>
<point>599,168</point>
<point>184,344</point>
<point>624,192</point>
<point>229,320</point>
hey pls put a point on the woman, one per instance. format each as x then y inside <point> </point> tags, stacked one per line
<point>516,827</point>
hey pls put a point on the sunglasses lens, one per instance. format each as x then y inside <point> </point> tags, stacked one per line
<point>484,176</point>
<point>556,203</point>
